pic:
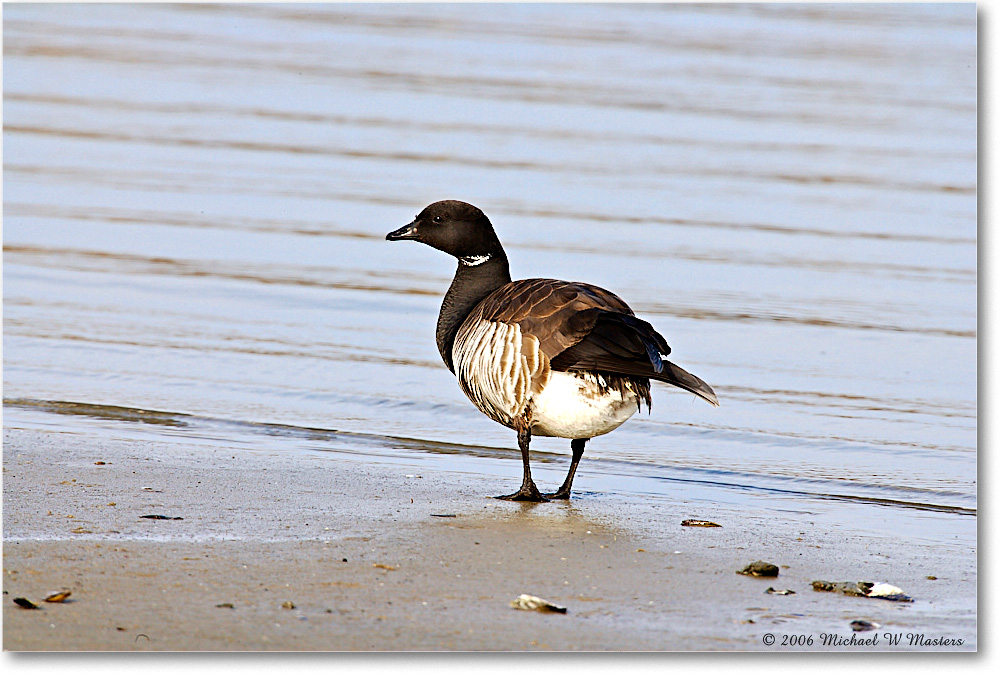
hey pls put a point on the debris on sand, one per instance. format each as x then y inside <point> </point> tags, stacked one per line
<point>58,596</point>
<point>860,625</point>
<point>774,591</point>
<point>159,517</point>
<point>888,592</point>
<point>759,568</point>
<point>24,603</point>
<point>863,589</point>
<point>288,604</point>
<point>533,602</point>
<point>845,587</point>
<point>692,522</point>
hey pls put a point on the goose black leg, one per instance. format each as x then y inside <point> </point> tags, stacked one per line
<point>563,492</point>
<point>528,491</point>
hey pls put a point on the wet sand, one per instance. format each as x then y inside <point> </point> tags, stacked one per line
<point>363,552</point>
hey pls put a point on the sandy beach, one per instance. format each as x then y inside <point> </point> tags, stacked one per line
<point>308,552</point>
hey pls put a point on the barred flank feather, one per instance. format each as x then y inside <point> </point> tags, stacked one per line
<point>499,368</point>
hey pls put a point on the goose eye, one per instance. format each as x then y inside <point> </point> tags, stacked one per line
<point>438,219</point>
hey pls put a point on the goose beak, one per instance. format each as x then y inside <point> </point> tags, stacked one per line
<point>405,232</point>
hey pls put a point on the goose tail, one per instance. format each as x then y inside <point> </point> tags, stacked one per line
<point>673,374</point>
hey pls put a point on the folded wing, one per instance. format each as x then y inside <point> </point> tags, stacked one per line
<point>574,326</point>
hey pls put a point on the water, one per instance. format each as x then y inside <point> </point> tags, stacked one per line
<point>196,199</point>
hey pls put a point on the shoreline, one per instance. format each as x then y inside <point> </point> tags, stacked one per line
<point>431,563</point>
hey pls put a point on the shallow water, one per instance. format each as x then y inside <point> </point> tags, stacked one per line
<point>196,199</point>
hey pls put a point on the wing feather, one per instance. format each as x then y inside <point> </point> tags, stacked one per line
<point>573,326</point>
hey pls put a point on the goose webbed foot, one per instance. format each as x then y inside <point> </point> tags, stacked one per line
<point>527,493</point>
<point>567,487</point>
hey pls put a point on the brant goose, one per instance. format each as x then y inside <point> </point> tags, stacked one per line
<point>540,356</point>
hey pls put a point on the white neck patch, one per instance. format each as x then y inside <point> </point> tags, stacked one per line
<point>473,260</point>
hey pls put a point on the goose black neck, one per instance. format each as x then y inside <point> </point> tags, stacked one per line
<point>472,283</point>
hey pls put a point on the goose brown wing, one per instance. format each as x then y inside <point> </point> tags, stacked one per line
<point>583,327</point>
<point>554,312</point>
<point>621,344</point>
<point>502,349</point>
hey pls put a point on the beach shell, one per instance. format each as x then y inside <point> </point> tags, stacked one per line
<point>533,602</point>
<point>58,596</point>
<point>888,592</point>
